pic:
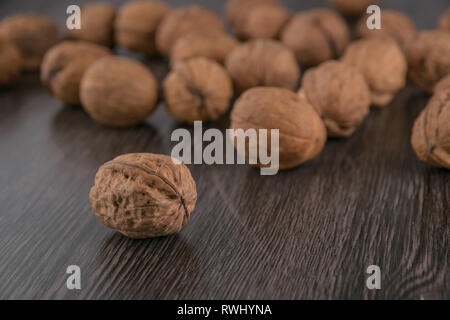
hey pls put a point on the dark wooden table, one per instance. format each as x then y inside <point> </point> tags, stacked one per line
<point>309,233</point>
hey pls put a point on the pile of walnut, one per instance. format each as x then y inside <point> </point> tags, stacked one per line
<point>146,195</point>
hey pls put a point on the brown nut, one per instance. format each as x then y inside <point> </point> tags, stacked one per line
<point>316,36</point>
<point>63,67</point>
<point>431,132</point>
<point>181,22</point>
<point>443,84</point>
<point>198,89</point>
<point>444,21</point>
<point>352,8</point>
<point>143,195</point>
<point>383,65</point>
<point>263,63</point>
<point>118,91</point>
<point>97,24</point>
<point>302,133</point>
<point>339,94</point>
<point>428,56</point>
<point>32,34</point>
<point>214,45</point>
<point>136,25</point>
<point>10,63</point>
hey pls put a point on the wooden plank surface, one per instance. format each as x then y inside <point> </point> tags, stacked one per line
<point>308,233</point>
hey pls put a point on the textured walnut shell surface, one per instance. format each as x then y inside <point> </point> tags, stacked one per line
<point>428,56</point>
<point>181,22</point>
<point>10,63</point>
<point>444,21</point>
<point>237,10</point>
<point>431,132</point>
<point>143,195</point>
<point>214,45</point>
<point>316,36</point>
<point>64,65</point>
<point>97,24</point>
<point>383,65</point>
<point>198,89</point>
<point>302,134</point>
<point>136,25</point>
<point>352,8</point>
<point>118,91</point>
<point>32,34</point>
<point>339,94</point>
<point>443,84</point>
<point>263,63</point>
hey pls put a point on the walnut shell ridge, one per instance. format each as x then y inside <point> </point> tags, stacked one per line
<point>443,84</point>
<point>10,63</point>
<point>352,8</point>
<point>143,195</point>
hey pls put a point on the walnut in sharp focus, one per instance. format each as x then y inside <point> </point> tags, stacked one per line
<point>181,22</point>
<point>143,195</point>
<point>118,91</point>
<point>32,34</point>
<point>302,134</point>
<point>97,24</point>
<point>64,65</point>
<point>444,21</point>
<point>198,89</point>
<point>339,94</point>
<point>383,65</point>
<point>352,8</point>
<point>431,132</point>
<point>10,63</point>
<point>136,25</point>
<point>263,63</point>
<point>428,56</point>
<point>316,36</point>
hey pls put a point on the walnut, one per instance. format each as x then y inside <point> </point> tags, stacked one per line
<point>428,56</point>
<point>136,25</point>
<point>181,22</point>
<point>443,84</point>
<point>255,19</point>
<point>118,91</point>
<point>143,195</point>
<point>263,63</point>
<point>444,21</point>
<point>32,34</point>
<point>431,132</point>
<point>198,89</point>
<point>352,8</point>
<point>97,24</point>
<point>302,133</point>
<point>383,65</point>
<point>214,45</point>
<point>63,67</point>
<point>316,36</point>
<point>10,63</point>
<point>339,94</point>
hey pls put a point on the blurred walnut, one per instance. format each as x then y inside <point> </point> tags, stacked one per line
<point>316,36</point>
<point>352,8</point>
<point>263,63</point>
<point>428,56</point>
<point>383,65</point>
<point>443,84</point>
<point>431,132</point>
<point>118,91</point>
<point>444,21</point>
<point>198,89</point>
<point>10,63</point>
<point>97,24</point>
<point>136,25</point>
<point>215,45</point>
<point>302,134</point>
<point>63,67</point>
<point>339,94</point>
<point>32,34</point>
<point>181,22</point>
<point>143,195</point>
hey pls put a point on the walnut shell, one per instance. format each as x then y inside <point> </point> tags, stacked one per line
<point>263,63</point>
<point>428,56</point>
<point>352,8</point>
<point>143,195</point>
<point>118,91</point>
<point>444,21</point>
<point>431,132</point>
<point>64,65</point>
<point>339,94</point>
<point>10,63</point>
<point>198,89</point>
<point>214,45</point>
<point>136,25</point>
<point>97,24</point>
<point>443,84</point>
<point>32,34</point>
<point>383,65</point>
<point>181,22</point>
<point>316,36</point>
<point>237,10</point>
<point>302,134</point>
